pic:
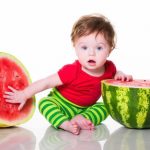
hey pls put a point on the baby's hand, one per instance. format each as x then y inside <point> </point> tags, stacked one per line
<point>122,76</point>
<point>15,97</point>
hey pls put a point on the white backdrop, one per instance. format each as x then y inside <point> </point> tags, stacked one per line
<point>37,32</point>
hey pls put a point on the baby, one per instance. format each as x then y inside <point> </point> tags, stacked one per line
<point>72,103</point>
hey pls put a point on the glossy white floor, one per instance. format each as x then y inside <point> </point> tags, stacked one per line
<point>37,134</point>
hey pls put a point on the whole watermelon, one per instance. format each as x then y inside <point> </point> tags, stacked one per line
<point>128,102</point>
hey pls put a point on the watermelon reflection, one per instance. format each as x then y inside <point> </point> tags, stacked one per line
<point>128,139</point>
<point>16,138</point>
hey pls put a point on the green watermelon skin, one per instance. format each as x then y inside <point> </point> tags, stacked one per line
<point>128,105</point>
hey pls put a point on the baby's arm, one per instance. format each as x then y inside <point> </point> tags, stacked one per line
<point>122,76</point>
<point>15,96</point>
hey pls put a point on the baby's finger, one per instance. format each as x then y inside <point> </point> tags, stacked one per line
<point>7,96</point>
<point>127,79</point>
<point>123,78</point>
<point>116,78</point>
<point>9,93</point>
<point>21,106</point>
<point>12,89</point>
<point>130,78</point>
<point>11,101</point>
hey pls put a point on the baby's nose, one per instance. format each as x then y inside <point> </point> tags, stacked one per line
<point>91,51</point>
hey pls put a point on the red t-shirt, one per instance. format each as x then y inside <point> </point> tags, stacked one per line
<point>81,88</point>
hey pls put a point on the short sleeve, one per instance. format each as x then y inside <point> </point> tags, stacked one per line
<point>68,73</point>
<point>110,68</point>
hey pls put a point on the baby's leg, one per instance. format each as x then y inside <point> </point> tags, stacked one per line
<point>71,127</point>
<point>83,123</point>
<point>93,115</point>
<point>51,110</point>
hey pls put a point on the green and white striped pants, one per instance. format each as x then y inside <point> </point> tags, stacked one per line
<point>57,109</point>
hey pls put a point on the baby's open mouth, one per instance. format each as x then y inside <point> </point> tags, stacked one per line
<point>91,62</point>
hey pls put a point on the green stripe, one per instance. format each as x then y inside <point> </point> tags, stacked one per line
<point>101,114</point>
<point>95,115</point>
<point>58,117</point>
<point>75,110</point>
<point>42,103</point>
<point>87,116</point>
<point>66,108</point>
<point>65,103</point>
<point>102,111</point>
<point>105,111</point>
<point>90,113</point>
<point>59,122</point>
<point>43,100</point>
<point>49,111</point>
<point>102,106</point>
<point>51,115</point>
<point>44,108</point>
<point>98,114</point>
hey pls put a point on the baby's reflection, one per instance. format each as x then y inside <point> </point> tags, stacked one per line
<point>16,138</point>
<point>62,140</point>
<point>131,139</point>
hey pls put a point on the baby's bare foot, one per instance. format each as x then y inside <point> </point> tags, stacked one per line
<point>83,123</point>
<point>71,127</point>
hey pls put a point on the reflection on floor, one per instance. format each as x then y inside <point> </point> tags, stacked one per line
<point>128,139</point>
<point>16,138</point>
<point>62,140</point>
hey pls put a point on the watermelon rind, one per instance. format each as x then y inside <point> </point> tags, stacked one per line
<point>6,123</point>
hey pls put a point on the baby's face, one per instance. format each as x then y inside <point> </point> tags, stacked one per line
<point>92,52</point>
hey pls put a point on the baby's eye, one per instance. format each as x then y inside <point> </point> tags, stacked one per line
<point>84,47</point>
<point>99,48</point>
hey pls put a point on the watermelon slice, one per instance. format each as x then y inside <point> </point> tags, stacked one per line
<point>128,102</point>
<point>13,73</point>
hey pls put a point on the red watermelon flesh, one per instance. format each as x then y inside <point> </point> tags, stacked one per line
<point>134,83</point>
<point>14,74</point>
